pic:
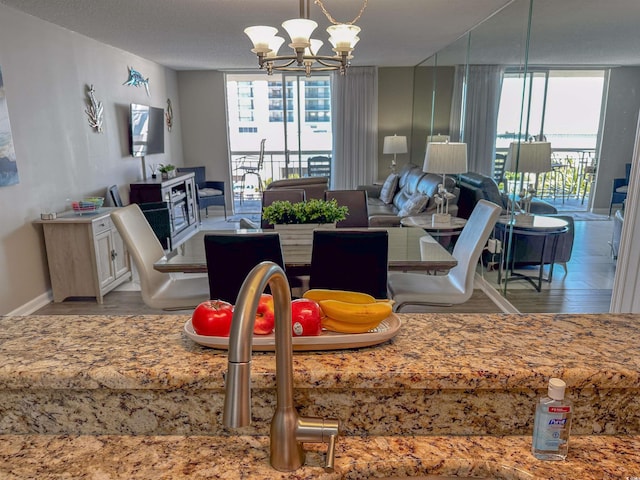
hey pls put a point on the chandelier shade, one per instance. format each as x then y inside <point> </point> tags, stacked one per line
<point>305,57</point>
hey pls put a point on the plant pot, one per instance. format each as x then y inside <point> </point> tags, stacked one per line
<point>300,233</point>
<point>168,175</point>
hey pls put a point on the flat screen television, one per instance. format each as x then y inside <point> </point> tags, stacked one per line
<point>146,130</point>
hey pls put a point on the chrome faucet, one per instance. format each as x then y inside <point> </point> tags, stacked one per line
<point>288,430</point>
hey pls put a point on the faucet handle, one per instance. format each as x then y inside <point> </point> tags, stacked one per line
<point>331,453</point>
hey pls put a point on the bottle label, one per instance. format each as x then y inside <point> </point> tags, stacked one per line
<point>552,422</point>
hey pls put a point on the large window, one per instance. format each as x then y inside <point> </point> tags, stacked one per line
<point>562,107</point>
<point>293,114</point>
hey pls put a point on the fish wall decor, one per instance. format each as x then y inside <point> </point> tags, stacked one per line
<point>136,80</point>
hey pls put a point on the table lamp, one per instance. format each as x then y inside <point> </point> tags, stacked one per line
<point>528,157</point>
<point>395,144</point>
<point>444,157</point>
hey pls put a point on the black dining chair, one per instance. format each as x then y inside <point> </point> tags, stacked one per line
<point>350,260</point>
<point>231,256</point>
<point>356,202</point>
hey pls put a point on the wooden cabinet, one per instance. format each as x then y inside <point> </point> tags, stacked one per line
<point>179,195</point>
<point>86,255</point>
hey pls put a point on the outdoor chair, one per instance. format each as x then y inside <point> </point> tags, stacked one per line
<point>350,260</point>
<point>457,285</point>
<point>159,290</point>
<point>250,165</point>
<point>620,187</point>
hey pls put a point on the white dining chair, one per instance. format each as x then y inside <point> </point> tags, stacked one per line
<point>457,285</point>
<point>159,290</point>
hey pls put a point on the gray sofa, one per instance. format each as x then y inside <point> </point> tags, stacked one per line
<point>411,181</point>
<point>528,249</point>
<point>314,187</point>
<point>475,186</point>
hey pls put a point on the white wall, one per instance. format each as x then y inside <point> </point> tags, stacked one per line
<point>618,132</point>
<point>46,70</point>
<point>204,125</point>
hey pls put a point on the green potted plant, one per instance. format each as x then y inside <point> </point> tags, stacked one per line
<point>297,221</point>
<point>167,171</point>
<point>314,211</point>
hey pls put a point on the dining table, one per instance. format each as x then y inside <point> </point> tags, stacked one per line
<point>410,249</point>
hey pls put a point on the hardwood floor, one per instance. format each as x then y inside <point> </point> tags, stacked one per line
<point>584,288</point>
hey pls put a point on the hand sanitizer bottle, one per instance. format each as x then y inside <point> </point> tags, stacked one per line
<point>552,424</point>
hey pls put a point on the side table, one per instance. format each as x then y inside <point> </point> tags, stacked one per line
<point>547,227</point>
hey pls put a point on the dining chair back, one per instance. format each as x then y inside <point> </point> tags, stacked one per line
<point>231,256</point>
<point>350,260</point>
<point>457,285</point>
<point>356,201</point>
<point>285,194</point>
<point>159,290</point>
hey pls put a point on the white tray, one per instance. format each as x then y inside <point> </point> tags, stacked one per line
<point>387,329</point>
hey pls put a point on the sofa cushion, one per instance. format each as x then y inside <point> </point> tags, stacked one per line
<point>389,188</point>
<point>414,205</point>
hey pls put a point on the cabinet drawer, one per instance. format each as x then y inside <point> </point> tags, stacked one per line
<point>101,225</point>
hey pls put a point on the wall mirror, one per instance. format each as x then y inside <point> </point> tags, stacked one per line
<point>531,47</point>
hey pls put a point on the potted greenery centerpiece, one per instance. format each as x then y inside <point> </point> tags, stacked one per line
<point>296,221</point>
<point>167,171</point>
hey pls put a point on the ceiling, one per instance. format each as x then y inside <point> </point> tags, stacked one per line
<point>208,34</point>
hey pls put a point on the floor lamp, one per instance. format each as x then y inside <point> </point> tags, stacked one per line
<point>395,145</point>
<point>528,157</point>
<point>444,157</point>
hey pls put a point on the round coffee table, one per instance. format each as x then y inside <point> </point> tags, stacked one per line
<point>440,232</point>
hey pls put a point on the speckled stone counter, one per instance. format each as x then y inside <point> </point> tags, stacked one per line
<point>131,378</point>
<point>442,375</point>
<point>48,457</point>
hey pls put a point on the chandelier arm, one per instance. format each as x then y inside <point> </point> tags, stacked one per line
<point>333,20</point>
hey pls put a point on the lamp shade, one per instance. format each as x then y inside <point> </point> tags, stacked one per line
<point>437,138</point>
<point>445,158</point>
<point>529,157</point>
<point>395,144</point>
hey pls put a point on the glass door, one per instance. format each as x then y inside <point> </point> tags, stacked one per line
<point>293,115</point>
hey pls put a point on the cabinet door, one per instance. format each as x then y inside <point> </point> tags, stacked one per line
<point>104,248</point>
<point>120,255</point>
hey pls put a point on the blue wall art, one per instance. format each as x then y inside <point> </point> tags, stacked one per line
<point>137,80</point>
<point>8,165</point>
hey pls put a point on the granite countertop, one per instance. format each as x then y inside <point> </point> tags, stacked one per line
<point>49,362</point>
<point>431,351</point>
<point>48,457</point>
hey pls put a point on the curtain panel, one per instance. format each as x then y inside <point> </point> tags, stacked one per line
<point>354,106</point>
<point>474,113</point>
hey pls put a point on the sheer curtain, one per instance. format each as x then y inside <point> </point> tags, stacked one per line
<point>354,106</point>
<point>480,100</point>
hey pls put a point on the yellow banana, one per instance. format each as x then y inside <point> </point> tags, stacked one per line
<point>344,327</point>
<point>363,314</point>
<point>318,294</point>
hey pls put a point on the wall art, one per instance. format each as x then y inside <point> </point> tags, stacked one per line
<point>169,115</point>
<point>136,80</point>
<point>8,165</point>
<point>95,110</point>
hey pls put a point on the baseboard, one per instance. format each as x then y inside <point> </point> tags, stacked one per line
<point>494,295</point>
<point>33,305</point>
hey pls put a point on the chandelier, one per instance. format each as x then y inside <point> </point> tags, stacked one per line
<point>305,58</point>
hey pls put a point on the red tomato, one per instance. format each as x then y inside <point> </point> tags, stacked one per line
<point>213,318</point>
<point>265,315</point>
<point>306,317</point>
